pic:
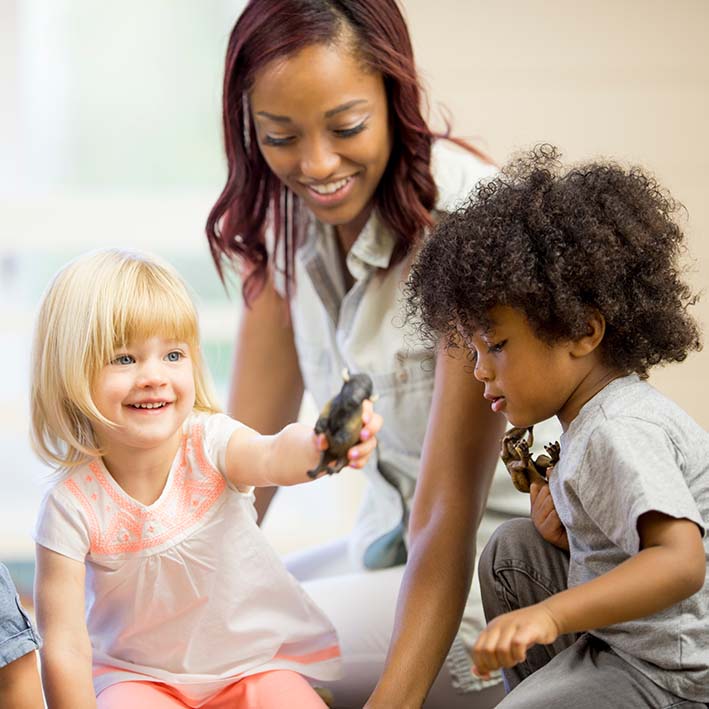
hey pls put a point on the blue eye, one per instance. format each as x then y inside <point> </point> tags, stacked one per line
<point>174,356</point>
<point>123,359</point>
<point>349,132</point>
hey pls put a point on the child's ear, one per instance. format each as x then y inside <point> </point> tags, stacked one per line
<point>595,330</point>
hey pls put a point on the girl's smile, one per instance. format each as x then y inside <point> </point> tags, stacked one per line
<point>147,391</point>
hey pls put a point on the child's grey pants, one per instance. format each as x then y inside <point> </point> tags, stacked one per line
<point>518,568</point>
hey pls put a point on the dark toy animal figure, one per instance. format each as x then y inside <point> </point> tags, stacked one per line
<point>341,422</point>
<point>518,460</point>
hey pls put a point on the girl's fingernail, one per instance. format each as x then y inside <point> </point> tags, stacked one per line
<point>365,435</point>
<point>354,453</point>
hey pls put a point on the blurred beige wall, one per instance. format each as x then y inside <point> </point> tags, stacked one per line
<point>627,79</point>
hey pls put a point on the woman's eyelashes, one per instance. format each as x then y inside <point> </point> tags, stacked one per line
<point>272,140</point>
<point>276,141</point>
<point>349,132</point>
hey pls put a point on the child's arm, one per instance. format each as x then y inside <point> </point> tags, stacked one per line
<point>19,684</point>
<point>669,567</point>
<point>66,652</point>
<point>285,458</point>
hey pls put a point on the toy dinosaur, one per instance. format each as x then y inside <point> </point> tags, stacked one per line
<point>517,457</point>
<point>341,422</point>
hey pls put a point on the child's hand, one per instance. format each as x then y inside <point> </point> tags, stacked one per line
<point>358,455</point>
<point>544,516</point>
<point>507,638</point>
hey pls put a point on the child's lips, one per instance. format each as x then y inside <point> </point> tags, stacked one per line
<point>497,403</point>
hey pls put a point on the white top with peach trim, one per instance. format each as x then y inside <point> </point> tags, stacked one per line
<point>185,591</point>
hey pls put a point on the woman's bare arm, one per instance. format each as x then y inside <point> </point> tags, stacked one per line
<point>266,384</point>
<point>459,455</point>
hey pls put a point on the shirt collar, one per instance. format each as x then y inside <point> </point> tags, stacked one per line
<point>372,249</point>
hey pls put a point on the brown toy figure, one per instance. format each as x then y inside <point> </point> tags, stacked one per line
<point>341,422</point>
<point>517,457</point>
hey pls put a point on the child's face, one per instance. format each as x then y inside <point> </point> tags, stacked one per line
<point>148,390</point>
<point>525,378</point>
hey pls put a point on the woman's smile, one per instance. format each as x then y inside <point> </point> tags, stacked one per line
<point>322,125</point>
<point>330,193</point>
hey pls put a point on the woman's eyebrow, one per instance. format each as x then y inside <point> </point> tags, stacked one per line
<point>344,107</point>
<point>274,117</point>
<point>328,114</point>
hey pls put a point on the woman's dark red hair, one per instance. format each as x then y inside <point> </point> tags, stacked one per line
<point>253,196</point>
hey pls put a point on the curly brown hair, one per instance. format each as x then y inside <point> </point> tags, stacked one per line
<point>556,243</point>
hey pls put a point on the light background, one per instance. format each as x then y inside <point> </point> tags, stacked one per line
<point>110,136</point>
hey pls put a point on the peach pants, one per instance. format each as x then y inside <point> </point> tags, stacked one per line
<point>268,690</point>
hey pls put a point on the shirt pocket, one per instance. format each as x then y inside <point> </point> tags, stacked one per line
<point>405,396</point>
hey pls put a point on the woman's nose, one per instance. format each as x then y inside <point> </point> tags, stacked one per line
<point>318,161</point>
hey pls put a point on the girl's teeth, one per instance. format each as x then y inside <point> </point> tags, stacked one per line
<point>149,406</point>
<point>329,188</point>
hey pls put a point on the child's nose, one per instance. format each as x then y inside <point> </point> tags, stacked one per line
<point>482,371</point>
<point>152,374</point>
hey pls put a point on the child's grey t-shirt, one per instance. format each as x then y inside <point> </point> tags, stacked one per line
<point>632,450</point>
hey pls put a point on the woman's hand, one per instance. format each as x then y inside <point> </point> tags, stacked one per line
<point>505,641</point>
<point>544,516</point>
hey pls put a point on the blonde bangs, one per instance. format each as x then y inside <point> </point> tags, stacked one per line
<point>95,306</point>
<point>148,302</point>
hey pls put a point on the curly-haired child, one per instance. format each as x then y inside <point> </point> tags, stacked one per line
<point>564,285</point>
<point>154,585</point>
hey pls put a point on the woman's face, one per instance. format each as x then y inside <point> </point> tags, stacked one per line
<point>322,126</point>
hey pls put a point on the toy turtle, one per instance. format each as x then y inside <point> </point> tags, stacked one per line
<point>341,422</point>
<point>517,457</point>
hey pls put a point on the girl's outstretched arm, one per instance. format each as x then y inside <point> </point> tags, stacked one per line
<point>66,652</point>
<point>266,385</point>
<point>459,455</point>
<point>669,567</point>
<point>286,457</point>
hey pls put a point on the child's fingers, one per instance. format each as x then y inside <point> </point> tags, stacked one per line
<point>533,492</point>
<point>512,646</point>
<point>371,420</point>
<point>484,655</point>
<point>321,441</point>
<point>359,455</point>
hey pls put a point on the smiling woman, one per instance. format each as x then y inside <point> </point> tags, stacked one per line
<point>334,178</point>
<point>323,129</point>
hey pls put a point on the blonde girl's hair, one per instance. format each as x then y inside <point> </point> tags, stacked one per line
<point>96,305</point>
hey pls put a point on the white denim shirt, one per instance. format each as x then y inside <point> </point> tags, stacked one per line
<point>363,330</point>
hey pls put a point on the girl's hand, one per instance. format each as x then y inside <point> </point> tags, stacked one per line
<point>372,422</point>
<point>358,455</point>
<point>544,516</point>
<point>507,638</point>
